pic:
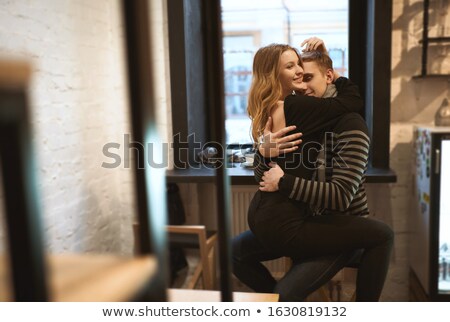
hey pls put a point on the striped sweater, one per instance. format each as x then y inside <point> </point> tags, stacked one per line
<point>346,156</point>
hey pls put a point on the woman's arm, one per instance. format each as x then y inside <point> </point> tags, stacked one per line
<point>312,114</point>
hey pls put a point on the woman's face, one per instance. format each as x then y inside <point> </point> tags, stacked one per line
<point>291,73</point>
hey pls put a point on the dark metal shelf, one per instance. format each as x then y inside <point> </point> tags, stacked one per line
<point>435,40</point>
<point>427,41</point>
<point>441,76</point>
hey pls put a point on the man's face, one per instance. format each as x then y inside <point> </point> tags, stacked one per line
<point>316,81</point>
<point>291,73</point>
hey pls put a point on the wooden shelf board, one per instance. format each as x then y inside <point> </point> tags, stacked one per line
<point>90,278</point>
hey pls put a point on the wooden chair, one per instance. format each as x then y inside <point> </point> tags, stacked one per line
<point>190,236</point>
<point>196,237</point>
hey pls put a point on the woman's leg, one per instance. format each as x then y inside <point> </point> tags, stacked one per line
<point>247,255</point>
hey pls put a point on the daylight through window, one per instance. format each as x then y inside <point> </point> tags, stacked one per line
<point>251,24</point>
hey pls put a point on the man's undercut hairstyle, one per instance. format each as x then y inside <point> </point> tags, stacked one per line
<point>322,60</point>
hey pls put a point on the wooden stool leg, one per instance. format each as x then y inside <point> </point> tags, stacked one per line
<point>212,265</point>
<point>331,290</point>
<point>195,277</point>
<point>207,285</point>
<point>323,294</point>
<point>338,290</point>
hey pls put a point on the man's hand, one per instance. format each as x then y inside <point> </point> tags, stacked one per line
<point>271,178</point>
<point>276,143</point>
<point>314,43</point>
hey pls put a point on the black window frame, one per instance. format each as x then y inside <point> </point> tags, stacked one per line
<point>370,29</point>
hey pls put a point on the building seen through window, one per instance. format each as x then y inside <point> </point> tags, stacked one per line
<point>251,24</point>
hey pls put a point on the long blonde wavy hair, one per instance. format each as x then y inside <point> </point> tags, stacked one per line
<point>266,89</point>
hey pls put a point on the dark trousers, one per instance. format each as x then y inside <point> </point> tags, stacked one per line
<point>303,278</point>
<point>279,226</point>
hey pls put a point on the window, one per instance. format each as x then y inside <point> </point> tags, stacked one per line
<point>364,56</point>
<point>238,59</point>
<point>251,24</point>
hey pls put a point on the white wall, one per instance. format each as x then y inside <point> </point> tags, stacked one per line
<point>78,103</point>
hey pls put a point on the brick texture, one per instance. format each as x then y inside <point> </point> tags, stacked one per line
<point>412,102</point>
<point>79,103</point>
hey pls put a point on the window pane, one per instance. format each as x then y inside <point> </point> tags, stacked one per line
<point>251,24</point>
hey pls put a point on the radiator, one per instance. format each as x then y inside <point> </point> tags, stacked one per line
<point>241,197</point>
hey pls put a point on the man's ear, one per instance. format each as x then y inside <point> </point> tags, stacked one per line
<point>330,76</point>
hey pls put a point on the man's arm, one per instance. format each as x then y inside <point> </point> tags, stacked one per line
<point>338,193</point>
<point>312,114</point>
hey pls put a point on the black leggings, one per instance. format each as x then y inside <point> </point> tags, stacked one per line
<point>279,224</point>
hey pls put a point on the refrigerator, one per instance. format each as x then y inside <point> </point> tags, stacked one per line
<point>430,224</point>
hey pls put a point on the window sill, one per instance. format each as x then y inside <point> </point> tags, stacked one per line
<point>244,176</point>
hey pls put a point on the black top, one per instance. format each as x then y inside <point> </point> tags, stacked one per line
<point>346,157</point>
<point>313,116</point>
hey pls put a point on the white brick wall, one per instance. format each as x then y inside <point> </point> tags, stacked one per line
<point>79,102</point>
<point>160,37</point>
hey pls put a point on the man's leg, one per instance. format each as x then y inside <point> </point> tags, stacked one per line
<point>325,235</point>
<point>306,276</point>
<point>248,253</point>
